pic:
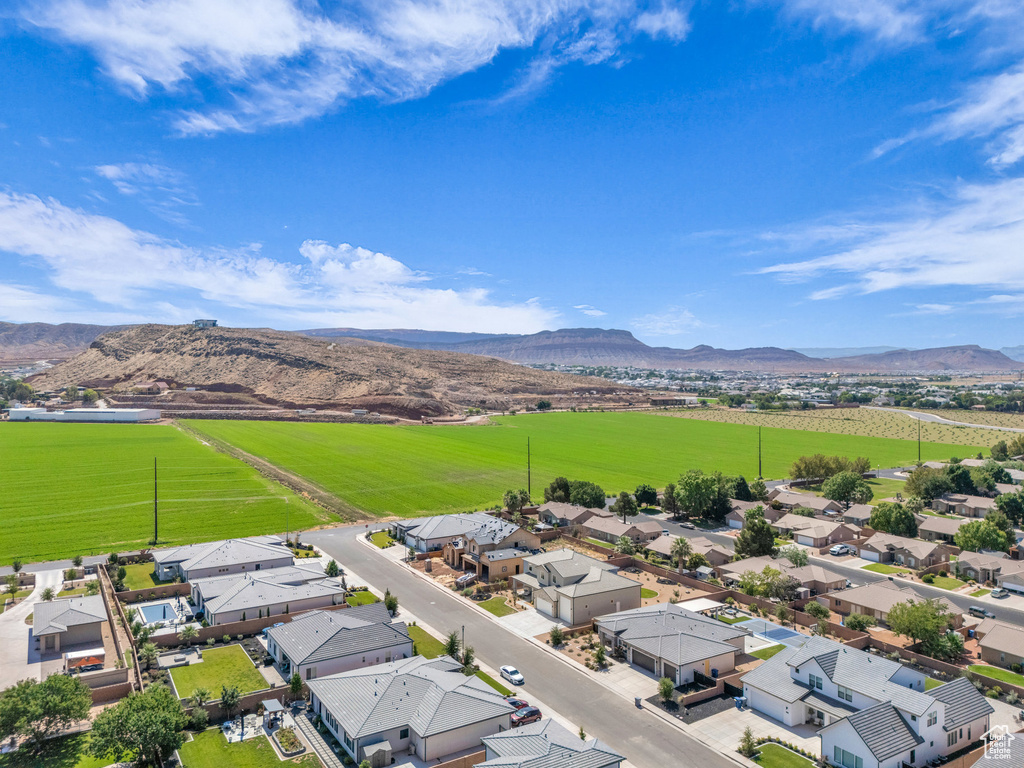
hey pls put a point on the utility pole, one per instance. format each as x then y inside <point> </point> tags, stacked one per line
<point>529,489</point>
<point>919,441</point>
<point>156,530</point>
<point>759,475</point>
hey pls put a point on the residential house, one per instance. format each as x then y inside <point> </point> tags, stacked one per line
<point>430,534</point>
<point>715,554</point>
<point>790,500</point>
<point>321,643</point>
<point>1008,751</point>
<point>674,642</point>
<point>219,558</point>
<point>737,518</point>
<point>1001,643</point>
<point>498,542</point>
<point>814,531</point>
<point>912,553</point>
<point>205,590</point>
<point>994,567</point>
<point>612,529</point>
<point>567,515</point>
<point>858,514</point>
<point>546,744</point>
<point>1002,488</point>
<point>426,706</point>
<point>66,622</point>
<point>872,712</point>
<point>575,588</point>
<point>814,578</point>
<point>934,528</point>
<point>877,599</point>
<point>253,595</point>
<point>964,505</point>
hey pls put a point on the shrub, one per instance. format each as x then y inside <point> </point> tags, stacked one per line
<point>748,745</point>
<point>665,689</point>
<point>199,720</point>
<point>928,578</point>
<point>226,639</point>
<point>210,642</point>
<point>993,693</point>
<point>557,635</point>
<point>239,638</point>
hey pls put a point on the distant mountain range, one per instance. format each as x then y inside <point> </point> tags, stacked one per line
<point>583,347</point>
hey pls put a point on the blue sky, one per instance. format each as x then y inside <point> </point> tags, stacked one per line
<point>742,173</point>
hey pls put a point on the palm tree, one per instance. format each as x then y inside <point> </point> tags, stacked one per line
<point>200,696</point>
<point>148,654</point>
<point>681,550</point>
<point>188,633</point>
<point>48,594</point>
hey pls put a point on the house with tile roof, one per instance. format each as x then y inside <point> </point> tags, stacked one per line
<point>857,514</point>
<point>1000,642</point>
<point>264,593</point>
<point>814,531</point>
<point>737,517</point>
<point>611,529</point>
<point>502,546</point>
<point>814,578</point>
<point>546,744</point>
<point>871,712</point>
<point>62,623</point>
<point>566,515</point>
<point>715,554</point>
<point>964,504</point>
<point>220,558</point>
<point>321,643</point>
<point>912,553</point>
<point>424,705</point>
<point>877,599</point>
<point>574,587</point>
<point>935,528</point>
<point>791,500</point>
<point>674,642</point>
<point>430,534</point>
<point>995,567</point>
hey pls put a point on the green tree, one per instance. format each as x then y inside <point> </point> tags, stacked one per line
<point>187,634</point>
<point>1000,452</point>
<point>697,560</point>
<point>741,490</point>
<point>48,594</point>
<point>696,493</point>
<point>452,644</point>
<point>38,710</point>
<point>624,506</point>
<point>587,494</point>
<point>77,561</point>
<point>332,569</point>
<point>144,727</point>
<point>11,584</point>
<point>921,620</point>
<point>366,763</point>
<point>200,696</point>
<point>600,655</point>
<point>669,502</point>
<point>817,610</point>
<point>16,565</point>
<point>666,689</point>
<point>148,654</point>
<point>556,635</point>
<point>646,494</point>
<point>847,488</point>
<point>859,622</point>
<point>295,684</point>
<point>797,556</point>
<point>90,396</point>
<point>229,699</point>
<point>927,483</point>
<point>960,479</point>
<point>981,534</point>
<point>391,602</point>
<point>894,518</point>
<point>999,519</point>
<point>543,405</point>
<point>758,491</point>
<point>516,500</point>
<point>681,550</point>
<point>558,490</point>
<point>624,546</point>
<point>1012,505</point>
<point>748,744</point>
<point>782,614</point>
<point>70,394</point>
<point>757,538</point>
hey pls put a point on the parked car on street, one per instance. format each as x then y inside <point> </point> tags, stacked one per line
<point>525,716</point>
<point>513,675</point>
<point>840,549</point>
<point>666,532</point>
<point>688,524</point>
<point>517,703</point>
<point>981,613</point>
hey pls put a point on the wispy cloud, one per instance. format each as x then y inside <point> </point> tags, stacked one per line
<point>161,189</point>
<point>282,61</point>
<point>673,321</point>
<point>888,21</point>
<point>590,311</point>
<point>132,271</point>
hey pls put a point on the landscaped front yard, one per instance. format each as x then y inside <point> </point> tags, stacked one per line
<point>210,749</point>
<point>981,592</point>
<point>947,582</point>
<point>382,539</point>
<point>498,606</point>
<point>140,576</point>
<point>885,568</point>
<point>774,756</point>
<point>362,598</point>
<point>429,647</point>
<point>998,673</point>
<point>226,666</point>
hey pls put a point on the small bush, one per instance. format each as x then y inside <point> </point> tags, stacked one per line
<point>199,720</point>
<point>226,639</point>
<point>928,578</point>
<point>993,693</point>
<point>210,642</point>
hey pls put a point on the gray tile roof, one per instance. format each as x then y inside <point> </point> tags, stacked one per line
<point>884,542</point>
<point>546,744</point>
<point>323,635</point>
<point>964,703</point>
<point>497,555</point>
<point>597,581</point>
<point>1000,760</point>
<point>567,563</point>
<point>430,696</point>
<point>672,633</point>
<point>883,730</point>
<point>773,676</point>
<point>479,525</point>
<point>213,586</point>
<point>251,592</point>
<point>56,616</point>
<point>222,553</point>
<point>883,595</point>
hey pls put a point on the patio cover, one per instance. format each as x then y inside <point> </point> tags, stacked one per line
<point>272,705</point>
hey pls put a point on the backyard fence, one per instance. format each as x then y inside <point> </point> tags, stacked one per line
<point>235,628</point>
<point>154,593</point>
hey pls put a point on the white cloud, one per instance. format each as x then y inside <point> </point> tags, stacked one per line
<point>590,311</point>
<point>161,189</point>
<point>889,21</point>
<point>674,321</point>
<point>120,269</point>
<point>282,61</point>
<point>973,239</point>
<point>933,309</point>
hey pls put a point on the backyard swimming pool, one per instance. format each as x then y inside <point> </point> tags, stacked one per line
<point>152,614</point>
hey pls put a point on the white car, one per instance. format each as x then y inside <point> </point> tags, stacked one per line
<point>839,549</point>
<point>666,532</point>
<point>1000,592</point>
<point>513,675</point>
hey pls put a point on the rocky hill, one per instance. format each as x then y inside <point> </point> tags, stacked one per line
<point>43,341</point>
<point>288,369</point>
<point>968,357</point>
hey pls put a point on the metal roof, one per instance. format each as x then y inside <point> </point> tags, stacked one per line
<point>546,744</point>
<point>52,617</point>
<point>321,635</point>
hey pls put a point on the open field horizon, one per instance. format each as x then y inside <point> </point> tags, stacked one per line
<point>409,470</point>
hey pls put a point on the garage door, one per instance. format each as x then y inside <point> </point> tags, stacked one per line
<point>543,605</point>
<point>565,610</point>
<point>766,703</point>
<point>872,556</point>
<point>735,523</point>
<point>669,671</point>
<point>644,661</point>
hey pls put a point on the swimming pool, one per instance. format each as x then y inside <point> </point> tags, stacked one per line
<point>152,614</point>
<point>773,632</point>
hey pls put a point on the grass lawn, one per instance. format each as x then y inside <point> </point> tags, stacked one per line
<point>71,592</point>
<point>600,543</point>
<point>82,489</point>
<point>141,576</point>
<point>498,606</point>
<point>494,683</point>
<point>981,592</point>
<point>732,620</point>
<point>362,598</point>
<point>998,673</point>
<point>767,653</point>
<point>885,568</point>
<point>382,539</point>
<point>406,470</point>
<point>228,665</point>
<point>931,682</point>
<point>427,646</point>
<point>210,749</point>
<point>63,752</point>
<point>646,593</point>
<point>774,756</point>
<point>947,582</point>
<point>882,488</point>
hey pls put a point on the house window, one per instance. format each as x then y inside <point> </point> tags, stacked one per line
<point>814,681</point>
<point>951,739</point>
<point>933,718</point>
<point>404,733</point>
<point>847,759</point>
<point>845,694</point>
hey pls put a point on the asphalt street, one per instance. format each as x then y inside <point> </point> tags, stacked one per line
<point>643,737</point>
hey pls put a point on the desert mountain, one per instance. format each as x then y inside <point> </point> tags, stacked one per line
<point>43,341</point>
<point>969,357</point>
<point>289,369</point>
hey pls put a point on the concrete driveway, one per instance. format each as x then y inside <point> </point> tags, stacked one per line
<point>529,623</point>
<point>19,658</point>
<point>724,730</point>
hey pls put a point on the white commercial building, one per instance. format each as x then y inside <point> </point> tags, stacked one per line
<point>85,414</point>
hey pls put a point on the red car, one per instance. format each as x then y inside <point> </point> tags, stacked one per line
<point>517,703</point>
<point>525,716</point>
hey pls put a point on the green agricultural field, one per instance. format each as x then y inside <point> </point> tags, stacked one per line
<point>80,489</point>
<point>406,470</point>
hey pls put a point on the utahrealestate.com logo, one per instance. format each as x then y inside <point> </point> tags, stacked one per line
<point>997,743</point>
